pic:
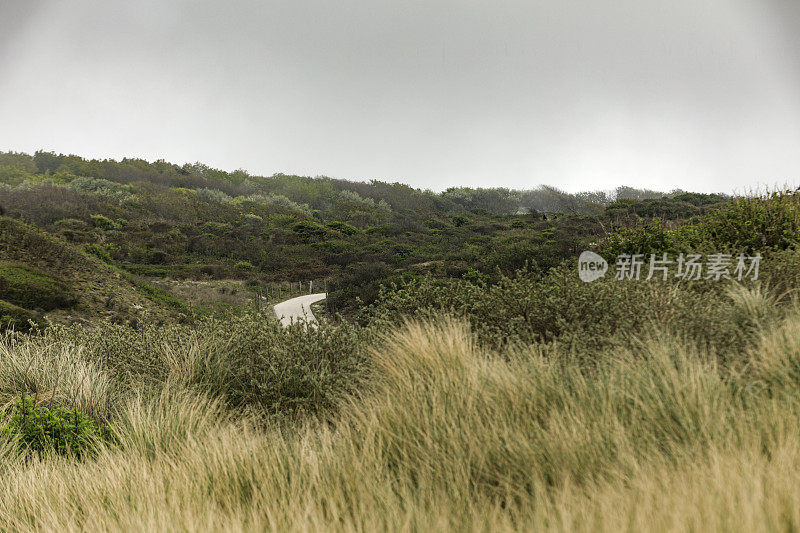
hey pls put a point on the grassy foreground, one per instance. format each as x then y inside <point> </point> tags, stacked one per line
<point>653,434</point>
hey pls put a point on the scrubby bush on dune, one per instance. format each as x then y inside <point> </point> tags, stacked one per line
<point>559,307</point>
<point>745,225</point>
<point>108,189</point>
<point>250,363</point>
<point>757,224</point>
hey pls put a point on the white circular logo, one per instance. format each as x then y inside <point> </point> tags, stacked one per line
<point>591,266</point>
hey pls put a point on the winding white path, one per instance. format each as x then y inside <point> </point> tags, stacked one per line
<point>298,308</point>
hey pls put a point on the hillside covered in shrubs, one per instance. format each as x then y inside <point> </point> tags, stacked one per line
<point>153,221</point>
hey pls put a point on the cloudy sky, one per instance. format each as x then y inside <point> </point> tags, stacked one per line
<point>581,94</point>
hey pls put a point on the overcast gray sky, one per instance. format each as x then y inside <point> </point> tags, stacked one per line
<point>581,94</point>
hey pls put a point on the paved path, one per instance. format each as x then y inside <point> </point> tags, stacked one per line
<point>298,308</point>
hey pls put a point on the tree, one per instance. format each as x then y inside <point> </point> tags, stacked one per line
<point>47,161</point>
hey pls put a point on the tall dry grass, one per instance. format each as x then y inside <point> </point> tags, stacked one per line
<point>53,372</point>
<point>659,435</point>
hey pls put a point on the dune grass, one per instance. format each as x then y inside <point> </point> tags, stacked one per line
<point>657,433</point>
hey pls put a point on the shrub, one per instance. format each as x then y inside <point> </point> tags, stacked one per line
<point>460,220</point>
<point>530,308</point>
<point>108,189</point>
<point>310,230</point>
<point>354,197</point>
<point>253,220</point>
<point>513,256</point>
<point>100,251</point>
<point>781,271</point>
<point>343,227</point>
<point>652,237</point>
<point>71,223</point>
<point>476,277</point>
<point>157,294</point>
<point>157,257</point>
<point>286,372</point>
<point>214,195</point>
<point>276,200</point>
<point>46,428</point>
<point>103,222</point>
<point>756,224</point>
<point>254,365</point>
<point>746,225</point>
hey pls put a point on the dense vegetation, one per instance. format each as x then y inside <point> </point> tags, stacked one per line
<point>164,221</point>
<point>653,426</point>
<point>477,384</point>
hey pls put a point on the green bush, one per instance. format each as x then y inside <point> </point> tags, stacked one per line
<point>745,225</point>
<point>103,222</point>
<point>31,289</point>
<point>652,237</point>
<point>343,227</point>
<point>460,220</point>
<point>43,428</point>
<point>310,231</point>
<point>285,372</point>
<point>101,187</point>
<point>157,294</point>
<point>254,364</point>
<point>476,277</point>
<point>530,308</point>
<point>157,257</point>
<point>100,251</point>
<point>214,195</point>
<point>756,224</point>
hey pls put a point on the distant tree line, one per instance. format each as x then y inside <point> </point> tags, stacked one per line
<point>322,193</point>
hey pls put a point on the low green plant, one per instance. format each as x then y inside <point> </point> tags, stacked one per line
<point>460,220</point>
<point>530,308</point>
<point>310,231</point>
<point>54,428</point>
<point>651,237</point>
